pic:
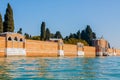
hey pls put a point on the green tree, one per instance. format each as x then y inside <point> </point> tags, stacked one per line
<point>30,36</point>
<point>75,36</point>
<point>9,21</point>
<point>83,35</point>
<point>78,34</point>
<point>35,37</point>
<point>19,31</point>
<point>52,35</point>
<point>58,35</point>
<point>27,36</point>
<point>94,35</point>
<point>66,38</point>
<point>89,35</point>
<point>43,32</point>
<point>71,35</point>
<point>48,35</point>
<point>109,45</point>
<point>1,24</point>
<point>75,41</point>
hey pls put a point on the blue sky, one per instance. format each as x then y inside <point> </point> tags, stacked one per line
<point>67,16</point>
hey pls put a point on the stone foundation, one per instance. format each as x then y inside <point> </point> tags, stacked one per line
<point>15,52</point>
<point>60,53</point>
<point>80,53</point>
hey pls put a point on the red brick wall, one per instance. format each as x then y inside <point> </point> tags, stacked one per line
<point>103,43</point>
<point>110,50</point>
<point>80,49</point>
<point>89,51</point>
<point>41,48</point>
<point>21,45</point>
<point>15,44</point>
<point>118,52</point>
<point>44,48</point>
<point>9,44</point>
<point>70,50</point>
<point>2,46</point>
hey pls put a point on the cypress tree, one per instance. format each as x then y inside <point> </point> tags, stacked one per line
<point>20,31</point>
<point>83,35</point>
<point>1,24</point>
<point>9,21</point>
<point>71,35</point>
<point>52,35</point>
<point>43,31</point>
<point>58,34</point>
<point>89,35</point>
<point>78,34</point>
<point>109,45</point>
<point>66,38</point>
<point>94,35</point>
<point>48,35</point>
<point>75,36</point>
<point>27,36</point>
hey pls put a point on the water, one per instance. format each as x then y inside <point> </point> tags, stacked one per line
<point>64,68</point>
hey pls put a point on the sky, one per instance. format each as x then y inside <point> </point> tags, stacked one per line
<point>67,16</point>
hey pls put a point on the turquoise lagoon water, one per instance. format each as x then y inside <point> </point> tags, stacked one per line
<point>59,68</point>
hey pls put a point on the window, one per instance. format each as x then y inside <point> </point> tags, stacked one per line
<point>21,39</point>
<point>9,39</point>
<point>15,39</point>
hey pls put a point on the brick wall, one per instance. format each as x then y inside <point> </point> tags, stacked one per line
<point>2,46</point>
<point>70,50</point>
<point>89,51</point>
<point>41,48</point>
<point>80,49</point>
<point>15,44</point>
<point>110,50</point>
<point>103,43</point>
<point>117,52</point>
<point>46,48</point>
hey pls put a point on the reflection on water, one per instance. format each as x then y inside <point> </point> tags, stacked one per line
<point>76,68</point>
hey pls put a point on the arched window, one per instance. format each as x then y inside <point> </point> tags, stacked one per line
<point>15,39</point>
<point>21,40</point>
<point>9,39</point>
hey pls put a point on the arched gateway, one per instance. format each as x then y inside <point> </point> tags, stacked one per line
<point>14,44</point>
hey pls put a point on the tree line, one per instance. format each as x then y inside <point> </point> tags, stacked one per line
<point>46,34</point>
<point>8,24</point>
<point>85,36</point>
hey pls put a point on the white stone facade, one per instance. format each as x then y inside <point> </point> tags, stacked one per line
<point>15,52</point>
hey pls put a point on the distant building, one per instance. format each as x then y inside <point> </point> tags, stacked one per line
<point>101,46</point>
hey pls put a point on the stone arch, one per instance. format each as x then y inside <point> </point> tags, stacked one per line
<point>21,40</point>
<point>9,39</point>
<point>15,39</point>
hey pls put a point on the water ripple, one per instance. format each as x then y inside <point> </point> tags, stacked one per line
<point>42,68</point>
